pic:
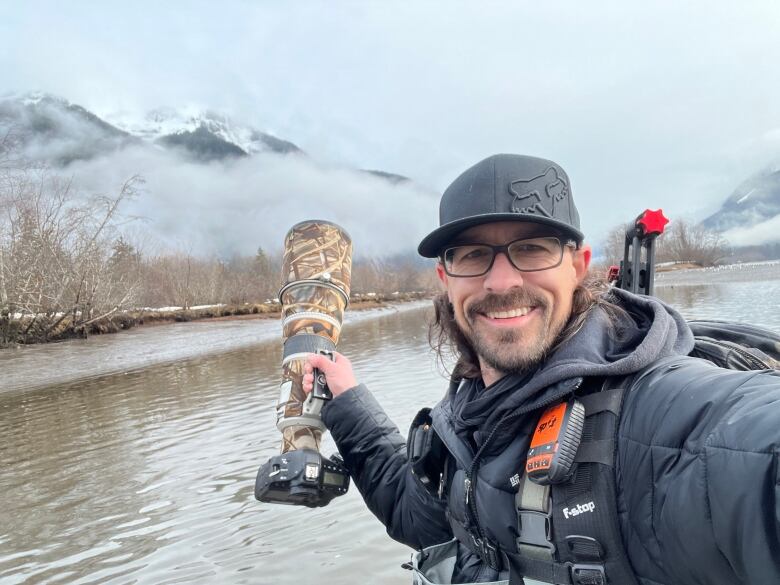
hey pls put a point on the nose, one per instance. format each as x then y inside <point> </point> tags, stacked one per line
<point>502,276</point>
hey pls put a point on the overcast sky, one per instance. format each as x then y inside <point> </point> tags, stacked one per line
<point>652,104</point>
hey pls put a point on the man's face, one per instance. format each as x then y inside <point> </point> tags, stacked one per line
<point>510,317</point>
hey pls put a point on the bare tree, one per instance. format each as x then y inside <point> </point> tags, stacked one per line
<point>683,241</point>
<point>614,243</point>
<point>686,241</point>
<point>55,248</point>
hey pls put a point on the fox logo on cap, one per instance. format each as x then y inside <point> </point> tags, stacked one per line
<point>540,194</point>
<point>505,187</point>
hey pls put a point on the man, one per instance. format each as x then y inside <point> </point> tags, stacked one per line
<point>689,490</point>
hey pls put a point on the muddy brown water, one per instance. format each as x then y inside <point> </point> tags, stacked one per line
<point>146,475</point>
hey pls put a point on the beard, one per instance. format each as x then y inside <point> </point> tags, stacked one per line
<point>513,350</point>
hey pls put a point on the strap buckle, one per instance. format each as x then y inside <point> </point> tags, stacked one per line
<point>535,529</point>
<point>582,574</point>
<point>585,549</point>
<point>488,552</point>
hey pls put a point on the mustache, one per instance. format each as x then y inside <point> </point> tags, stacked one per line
<point>493,302</point>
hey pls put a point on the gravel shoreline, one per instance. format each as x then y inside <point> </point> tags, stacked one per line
<point>747,272</point>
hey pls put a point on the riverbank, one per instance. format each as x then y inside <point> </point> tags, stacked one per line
<point>130,319</point>
<point>743,272</point>
<point>27,367</point>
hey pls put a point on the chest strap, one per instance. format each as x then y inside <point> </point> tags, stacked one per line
<point>536,546</point>
<point>534,524</point>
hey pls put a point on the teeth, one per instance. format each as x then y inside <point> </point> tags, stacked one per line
<point>519,312</point>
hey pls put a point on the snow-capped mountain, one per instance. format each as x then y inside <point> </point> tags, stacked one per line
<point>755,201</point>
<point>51,128</point>
<point>207,134</point>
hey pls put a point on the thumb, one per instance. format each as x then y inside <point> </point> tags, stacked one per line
<point>320,362</point>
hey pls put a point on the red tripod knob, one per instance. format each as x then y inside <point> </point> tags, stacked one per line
<point>651,223</point>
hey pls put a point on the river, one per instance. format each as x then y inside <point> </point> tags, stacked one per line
<point>131,458</point>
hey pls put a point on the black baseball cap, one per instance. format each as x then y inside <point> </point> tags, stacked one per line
<point>505,187</point>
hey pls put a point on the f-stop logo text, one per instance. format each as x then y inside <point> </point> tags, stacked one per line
<point>578,509</point>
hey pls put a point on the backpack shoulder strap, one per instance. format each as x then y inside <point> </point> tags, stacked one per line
<point>570,531</point>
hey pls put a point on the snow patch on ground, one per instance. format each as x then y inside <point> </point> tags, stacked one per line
<point>741,272</point>
<point>168,309</point>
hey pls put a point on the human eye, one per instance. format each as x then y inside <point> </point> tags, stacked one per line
<point>528,247</point>
<point>472,253</point>
<point>535,246</point>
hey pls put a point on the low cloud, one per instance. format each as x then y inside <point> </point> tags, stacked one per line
<point>235,206</point>
<point>763,233</point>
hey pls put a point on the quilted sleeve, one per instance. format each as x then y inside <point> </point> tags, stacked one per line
<point>698,479</point>
<point>375,454</point>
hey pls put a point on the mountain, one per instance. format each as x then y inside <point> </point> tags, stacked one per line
<point>755,201</point>
<point>52,129</point>
<point>391,177</point>
<point>205,135</point>
<point>202,144</point>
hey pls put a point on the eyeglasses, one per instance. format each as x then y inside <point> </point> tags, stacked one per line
<point>526,255</point>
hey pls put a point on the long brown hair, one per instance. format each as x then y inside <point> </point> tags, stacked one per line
<point>445,336</point>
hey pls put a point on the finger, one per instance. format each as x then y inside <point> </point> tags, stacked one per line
<point>323,363</point>
<point>315,360</point>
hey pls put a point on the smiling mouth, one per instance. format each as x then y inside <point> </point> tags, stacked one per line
<point>512,309</point>
<point>510,314</point>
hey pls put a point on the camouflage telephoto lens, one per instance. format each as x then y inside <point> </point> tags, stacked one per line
<point>316,273</point>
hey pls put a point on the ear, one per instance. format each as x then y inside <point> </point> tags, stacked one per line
<point>442,275</point>
<point>582,261</point>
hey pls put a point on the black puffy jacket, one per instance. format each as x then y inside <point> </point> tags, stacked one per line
<point>698,472</point>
